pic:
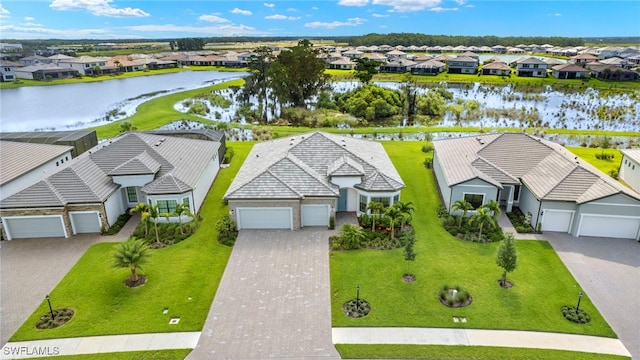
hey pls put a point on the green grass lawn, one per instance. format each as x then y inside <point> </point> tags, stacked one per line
<point>131,355</point>
<point>443,352</point>
<point>589,155</point>
<point>542,284</point>
<point>104,305</point>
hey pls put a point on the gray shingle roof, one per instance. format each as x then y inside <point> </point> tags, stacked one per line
<point>549,170</point>
<point>300,166</point>
<point>177,162</point>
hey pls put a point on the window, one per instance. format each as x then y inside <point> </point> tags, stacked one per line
<point>57,163</point>
<point>363,203</point>
<point>383,200</point>
<point>132,194</point>
<point>166,206</point>
<point>516,193</point>
<point>396,198</point>
<point>476,200</point>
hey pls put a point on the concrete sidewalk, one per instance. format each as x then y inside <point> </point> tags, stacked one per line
<point>99,344</point>
<point>479,337</point>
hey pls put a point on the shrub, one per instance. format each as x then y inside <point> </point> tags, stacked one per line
<point>332,222</point>
<point>228,155</point>
<point>351,236</point>
<point>614,174</point>
<point>442,211</point>
<point>120,222</point>
<point>427,148</point>
<point>579,316</point>
<point>520,221</point>
<point>227,231</point>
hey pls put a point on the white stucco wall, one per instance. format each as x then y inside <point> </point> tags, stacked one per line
<point>114,206</point>
<point>630,172</point>
<point>445,190</point>
<point>206,180</point>
<point>40,173</point>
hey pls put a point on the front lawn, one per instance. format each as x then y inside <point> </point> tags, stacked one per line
<point>182,278</point>
<point>542,284</point>
<point>604,165</point>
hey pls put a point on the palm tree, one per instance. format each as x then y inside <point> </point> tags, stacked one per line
<point>143,209</point>
<point>154,214</point>
<point>375,208</point>
<point>406,209</point>
<point>481,218</point>
<point>182,209</point>
<point>351,236</point>
<point>393,214</point>
<point>493,207</point>
<point>461,205</point>
<point>131,254</point>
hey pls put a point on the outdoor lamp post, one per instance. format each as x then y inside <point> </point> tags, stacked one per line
<point>579,298</point>
<point>50,309</point>
<point>357,297</point>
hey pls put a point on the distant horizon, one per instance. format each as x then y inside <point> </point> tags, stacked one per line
<point>111,20</point>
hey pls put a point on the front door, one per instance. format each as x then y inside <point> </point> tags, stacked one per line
<point>342,200</point>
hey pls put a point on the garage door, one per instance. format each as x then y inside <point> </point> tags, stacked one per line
<point>315,215</point>
<point>85,222</point>
<point>609,226</point>
<point>264,218</point>
<point>34,227</point>
<point>557,220</point>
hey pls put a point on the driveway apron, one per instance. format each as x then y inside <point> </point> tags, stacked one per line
<point>273,300</point>
<point>609,271</point>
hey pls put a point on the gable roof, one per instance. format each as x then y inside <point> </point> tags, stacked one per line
<point>549,170</point>
<point>173,160</point>
<point>302,165</point>
<point>18,158</point>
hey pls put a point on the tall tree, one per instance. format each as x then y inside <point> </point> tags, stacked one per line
<point>461,205</point>
<point>298,74</point>
<point>375,208</point>
<point>507,257</point>
<point>365,69</point>
<point>259,81</point>
<point>131,254</point>
<point>482,218</point>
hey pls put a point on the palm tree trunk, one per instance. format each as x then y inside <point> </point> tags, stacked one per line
<point>155,224</point>
<point>134,274</point>
<point>480,233</point>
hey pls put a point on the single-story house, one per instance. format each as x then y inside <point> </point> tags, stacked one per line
<point>429,67</point>
<point>304,180</point>
<point>344,63</point>
<point>629,171</point>
<point>569,71</point>
<point>496,68</point>
<point>612,72</point>
<point>560,191</point>
<point>397,66</point>
<point>98,186</point>
<point>45,72</point>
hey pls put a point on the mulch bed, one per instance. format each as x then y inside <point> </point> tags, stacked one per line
<point>133,284</point>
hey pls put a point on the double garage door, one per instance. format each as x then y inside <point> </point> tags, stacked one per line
<point>281,217</point>
<point>23,227</point>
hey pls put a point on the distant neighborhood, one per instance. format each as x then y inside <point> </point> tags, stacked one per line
<point>606,63</point>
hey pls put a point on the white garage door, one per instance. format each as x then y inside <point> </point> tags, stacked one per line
<point>264,218</point>
<point>34,226</point>
<point>609,226</point>
<point>315,215</point>
<point>557,220</point>
<point>85,222</point>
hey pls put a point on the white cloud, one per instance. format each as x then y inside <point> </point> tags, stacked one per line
<point>221,30</point>
<point>4,12</point>
<point>36,32</point>
<point>29,18</point>
<point>408,5</point>
<point>353,2</point>
<point>469,6</point>
<point>292,9</point>
<point>380,15</point>
<point>241,12</point>
<point>335,24</point>
<point>97,8</point>
<point>213,19</point>
<point>460,2</point>
<point>30,24</point>
<point>314,8</point>
<point>282,17</point>
<point>555,14</point>
<point>269,5</point>
<point>441,9</point>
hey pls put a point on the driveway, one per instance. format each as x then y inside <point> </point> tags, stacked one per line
<point>273,300</point>
<point>609,271</point>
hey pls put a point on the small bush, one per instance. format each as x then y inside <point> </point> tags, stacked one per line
<point>614,174</point>
<point>332,222</point>
<point>578,317</point>
<point>228,155</point>
<point>427,148</point>
<point>120,222</point>
<point>227,231</point>
<point>520,221</point>
<point>442,211</point>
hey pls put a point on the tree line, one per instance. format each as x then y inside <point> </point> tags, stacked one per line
<point>417,39</point>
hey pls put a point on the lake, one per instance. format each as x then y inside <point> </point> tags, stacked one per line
<point>73,106</point>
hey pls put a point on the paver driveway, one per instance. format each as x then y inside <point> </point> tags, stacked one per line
<point>609,270</point>
<point>273,300</point>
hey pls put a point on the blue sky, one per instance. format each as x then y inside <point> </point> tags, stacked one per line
<point>147,19</point>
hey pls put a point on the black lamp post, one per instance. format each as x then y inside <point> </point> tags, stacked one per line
<point>50,309</point>
<point>579,298</point>
<point>357,297</point>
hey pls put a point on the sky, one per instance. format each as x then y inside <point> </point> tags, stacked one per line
<point>153,19</point>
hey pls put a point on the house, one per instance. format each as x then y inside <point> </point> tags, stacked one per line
<point>629,170</point>
<point>80,140</point>
<point>353,54</point>
<point>560,191</point>
<point>531,67</point>
<point>583,58</point>
<point>429,67</point>
<point>84,64</point>
<point>376,57</point>
<point>101,184</point>
<point>612,72</point>
<point>463,65</point>
<point>499,49</point>
<point>303,180</point>
<point>397,66</point>
<point>569,71</point>
<point>395,55</point>
<point>34,60</point>
<point>45,72</point>
<point>24,164</point>
<point>8,70</point>
<point>496,68</point>
<point>344,63</point>
<point>471,55</point>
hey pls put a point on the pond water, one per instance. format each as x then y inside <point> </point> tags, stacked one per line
<point>72,106</point>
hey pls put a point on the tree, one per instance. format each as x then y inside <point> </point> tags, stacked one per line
<point>406,210</point>
<point>507,257</point>
<point>259,66</point>
<point>375,208</point>
<point>482,218</point>
<point>127,126</point>
<point>351,236</point>
<point>298,74</point>
<point>393,214</point>
<point>143,209</point>
<point>182,209</point>
<point>154,214</point>
<point>131,254</point>
<point>461,205</point>
<point>493,207</point>
<point>190,44</point>
<point>409,239</point>
<point>409,97</point>
<point>365,69</point>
